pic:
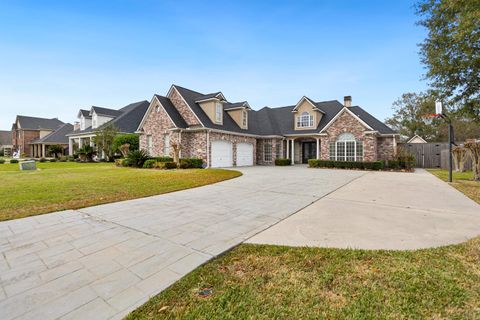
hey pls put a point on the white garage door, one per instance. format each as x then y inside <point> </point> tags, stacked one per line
<point>244,154</point>
<point>222,154</point>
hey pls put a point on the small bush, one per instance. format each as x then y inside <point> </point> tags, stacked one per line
<point>150,163</point>
<point>170,165</point>
<point>53,160</point>
<point>14,161</point>
<point>42,160</point>
<point>63,159</point>
<point>363,165</point>
<point>283,162</point>
<point>2,161</point>
<point>70,158</point>
<point>118,162</point>
<point>137,158</point>
<point>191,163</point>
<point>125,163</point>
<point>162,159</point>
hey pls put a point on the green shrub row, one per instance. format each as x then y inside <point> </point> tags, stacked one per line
<point>363,165</point>
<point>191,163</point>
<point>162,159</point>
<point>2,161</point>
<point>283,162</point>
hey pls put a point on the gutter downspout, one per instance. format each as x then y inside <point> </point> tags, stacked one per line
<point>180,143</point>
<point>208,148</point>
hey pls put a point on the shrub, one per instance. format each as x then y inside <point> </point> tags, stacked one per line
<point>42,160</point>
<point>2,161</point>
<point>170,165</point>
<point>137,158</point>
<point>363,165</point>
<point>131,139</point>
<point>125,163</point>
<point>53,160</point>
<point>162,159</point>
<point>283,162</point>
<point>14,161</point>
<point>63,159</point>
<point>70,158</point>
<point>191,163</point>
<point>150,163</point>
<point>118,162</point>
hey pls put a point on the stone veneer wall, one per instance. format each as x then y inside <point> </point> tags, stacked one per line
<point>234,139</point>
<point>194,145</point>
<point>185,111</point>
<point>347,123</point>
<point>260,153</point>
<point>385,148</point>
<point>157,125</point>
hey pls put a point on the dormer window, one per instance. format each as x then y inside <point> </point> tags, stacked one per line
<point>305,120</point>
<point>218,112</point>
<point>244,118</point>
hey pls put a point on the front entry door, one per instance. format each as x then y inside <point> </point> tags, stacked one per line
<point>309,151</point>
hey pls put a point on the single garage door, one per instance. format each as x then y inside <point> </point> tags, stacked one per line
<point>244,154</point>
<point>222,154</point>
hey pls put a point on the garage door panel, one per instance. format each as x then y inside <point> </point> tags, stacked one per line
<point>244,154</point>
<point>222,155</point>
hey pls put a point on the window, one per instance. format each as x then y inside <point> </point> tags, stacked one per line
<point>278,147</point>
<point>157,109</point>
<point>346,148</point>
<point>305,120</point>
<point>149,145</point>
<point>218,112</point>
<point>244,118</point>
<point>166,145</point>
<point>267,150</point>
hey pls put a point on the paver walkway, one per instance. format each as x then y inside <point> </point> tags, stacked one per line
<point>102,262</point>
<point>382,210</point>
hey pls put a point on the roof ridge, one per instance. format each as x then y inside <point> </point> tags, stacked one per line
<point>177,86</point>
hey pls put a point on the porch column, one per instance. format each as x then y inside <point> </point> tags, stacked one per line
<point>288,148</point>
<point>70,146</point>
<point>318,148</point>
<point>43,150</point>
<point>293,152</point>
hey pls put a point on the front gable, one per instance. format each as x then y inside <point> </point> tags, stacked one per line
<point>302,108</point>
<point>346,122</point>
<point>156,119</point>
<point>183,108</point>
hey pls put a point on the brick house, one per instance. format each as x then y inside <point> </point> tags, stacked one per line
<point>27,129</point>
<point>226,134</point>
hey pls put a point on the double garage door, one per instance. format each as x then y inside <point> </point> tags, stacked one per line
<point>222,154</point>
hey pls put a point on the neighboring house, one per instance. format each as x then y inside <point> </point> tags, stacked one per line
<point>58,137</point>
<point>26,129</point>
<point>416,139</point>
<point>6,142</point>
<point>226,134</point>
<point>126,120</point>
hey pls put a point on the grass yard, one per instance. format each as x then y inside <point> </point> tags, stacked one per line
<point>275,282</point>
<point>461,181</point>
<point>70,185</point>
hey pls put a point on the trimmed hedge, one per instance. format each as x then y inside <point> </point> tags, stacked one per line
<point>53,160</point>
<point>14,161</point>
<point>191,163</point>
<point>283,162</point>
<point>170,165</point>
<point>149,164</point>
<point>42,160</point>
<point>162,159</point>
<point>2,161</point>
<point>363,165</point>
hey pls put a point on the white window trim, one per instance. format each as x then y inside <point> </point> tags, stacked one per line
<point>265,153</point>
<point>305,120</point>
<point>245,118</point>
<point>218,112</point>
<point>344,143</point>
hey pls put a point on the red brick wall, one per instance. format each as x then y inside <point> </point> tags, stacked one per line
<point>234,139</point>
<point>183,108</point>
<point>385,148</point>
<point>347,123</point>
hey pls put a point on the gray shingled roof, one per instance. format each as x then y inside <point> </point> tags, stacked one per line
<point>58,136</point>
<point>85,113</point>
<point>106,112</point>
<point>172,112</point>
<point>35,123</point>
<point>6,138</point>
<point>276,121</point>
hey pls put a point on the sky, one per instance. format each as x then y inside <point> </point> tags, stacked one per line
<point>59,56</point>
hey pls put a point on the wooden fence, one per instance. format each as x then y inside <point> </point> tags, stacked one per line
<point>431,155</point>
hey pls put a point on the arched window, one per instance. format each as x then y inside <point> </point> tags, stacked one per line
<point>346,148</point>
<point>305,120</point>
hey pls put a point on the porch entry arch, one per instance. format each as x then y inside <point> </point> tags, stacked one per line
<point>346,148</point>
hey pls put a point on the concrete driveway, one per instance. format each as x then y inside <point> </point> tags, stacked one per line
<point>382,210</point>
<point>102,262</point>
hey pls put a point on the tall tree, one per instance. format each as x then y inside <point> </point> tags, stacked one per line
<point>103,139</point>
<point>408,117</point>
<point>451,51</point>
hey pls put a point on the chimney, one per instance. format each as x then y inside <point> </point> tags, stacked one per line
<point>347,101</point>
<point>76,126</point>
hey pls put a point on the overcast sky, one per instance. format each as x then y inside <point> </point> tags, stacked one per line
<point>59,56</point>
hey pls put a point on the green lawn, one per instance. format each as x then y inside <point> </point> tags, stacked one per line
<point>462,181</point>
<point>70,185</point>
<point>275,282</point>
